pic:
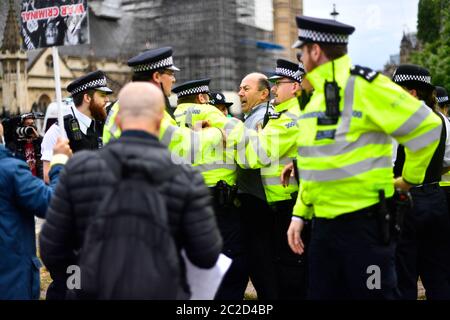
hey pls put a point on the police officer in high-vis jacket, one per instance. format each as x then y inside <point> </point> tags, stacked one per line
<point>423,249</point>
<point>219,172</point>
<point>345,166</point>
<point>270,150</point>
<point>443,107</point>
<point>157,66</point>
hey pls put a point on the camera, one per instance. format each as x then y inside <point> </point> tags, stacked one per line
<point>22,139</point>
<point>25,132</point>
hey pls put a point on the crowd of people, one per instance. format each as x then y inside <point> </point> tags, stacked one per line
<point>333,185</point>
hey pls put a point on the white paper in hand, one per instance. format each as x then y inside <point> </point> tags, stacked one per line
<point>205,282</point>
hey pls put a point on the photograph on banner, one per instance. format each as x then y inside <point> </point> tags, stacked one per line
<point>49,23</point>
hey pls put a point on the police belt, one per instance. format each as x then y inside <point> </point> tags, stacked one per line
<point>223,194</point>
<point>364,213</point>
<point>426,187</point>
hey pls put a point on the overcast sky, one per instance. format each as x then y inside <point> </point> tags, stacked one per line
<point>379,25</point>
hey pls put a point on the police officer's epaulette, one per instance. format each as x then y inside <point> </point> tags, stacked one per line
<point>276,115</point>
<point>364,72</point>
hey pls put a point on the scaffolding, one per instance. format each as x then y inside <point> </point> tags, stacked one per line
<point>208,37</point>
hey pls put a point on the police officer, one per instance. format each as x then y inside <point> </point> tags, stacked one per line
<point>156,66</point>
<point>218,100</point>
<point>85,125</point>
<point>345,165</point>
<point>443,105</point>
<point>443,100</point>
<point>424,245</point>
<point>269,150</point>
<point>219,172</point>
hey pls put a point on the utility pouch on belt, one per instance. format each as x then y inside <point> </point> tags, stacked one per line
<point>403,203</point>
<point>224,194</point>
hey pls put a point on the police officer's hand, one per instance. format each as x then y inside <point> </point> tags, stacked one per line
<point>62,147</point>
<point>294,236</point>
<point>401,184</point>
<point>288,171</point>
<point>224,137</point>
<point>202,124</point>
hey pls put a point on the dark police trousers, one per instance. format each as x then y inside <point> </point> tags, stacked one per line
<point>424,245</point>
<point>235,280</point>
<point>447,193</point>
<point>347,259</point>
<point>259,227</point>
<point>291,268</point>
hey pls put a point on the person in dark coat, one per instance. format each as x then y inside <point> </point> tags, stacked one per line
<point>22,197</point>
<point>87,178</point>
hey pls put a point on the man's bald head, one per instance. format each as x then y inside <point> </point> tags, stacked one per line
<point>141,107</point>
<point>254,90</point>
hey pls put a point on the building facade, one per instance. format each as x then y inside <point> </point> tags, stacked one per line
<point>285,28</point>
<point>211,38</point>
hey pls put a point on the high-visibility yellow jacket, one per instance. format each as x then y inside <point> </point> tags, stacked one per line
<point>182,142</point>
<point>111,130</point>
<point>343,166</point>
<point>272,148</point>
<point>445,182</point>
<point>215,163</point>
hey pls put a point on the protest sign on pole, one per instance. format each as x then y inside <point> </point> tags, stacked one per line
<point>54,23</point>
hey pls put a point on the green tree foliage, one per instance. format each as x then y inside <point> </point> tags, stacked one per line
<point>428,20</point>
<point>436,54</point>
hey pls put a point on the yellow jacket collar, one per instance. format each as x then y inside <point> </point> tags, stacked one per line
<point>286,105</point>
<point>324,72</point>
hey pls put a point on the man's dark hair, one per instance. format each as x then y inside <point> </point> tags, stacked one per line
<point>189,99</point>
<point>263,83</point>
<point>145,76</point>
<point>331,51</point>
<point>78,98</point>
<point>428,95</point>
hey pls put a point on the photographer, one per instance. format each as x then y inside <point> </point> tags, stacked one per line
<point>24,141</point>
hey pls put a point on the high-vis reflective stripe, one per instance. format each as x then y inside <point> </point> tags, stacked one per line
<point>347,112</point>
<point>423,140</point>
<point>195,146</point>
<point>343,147</point>
<point>285,160</point>
<point>231,124</point>
<point>214,166</point>
<point>168,134</point>
<point>416,119</point>
<point>189,117</point>
<point>314,114</point>
<point>271,181</point>
<point>112,130</point>
<point>262,154</point>
<point>291,116</point>
<point>346,171</point>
